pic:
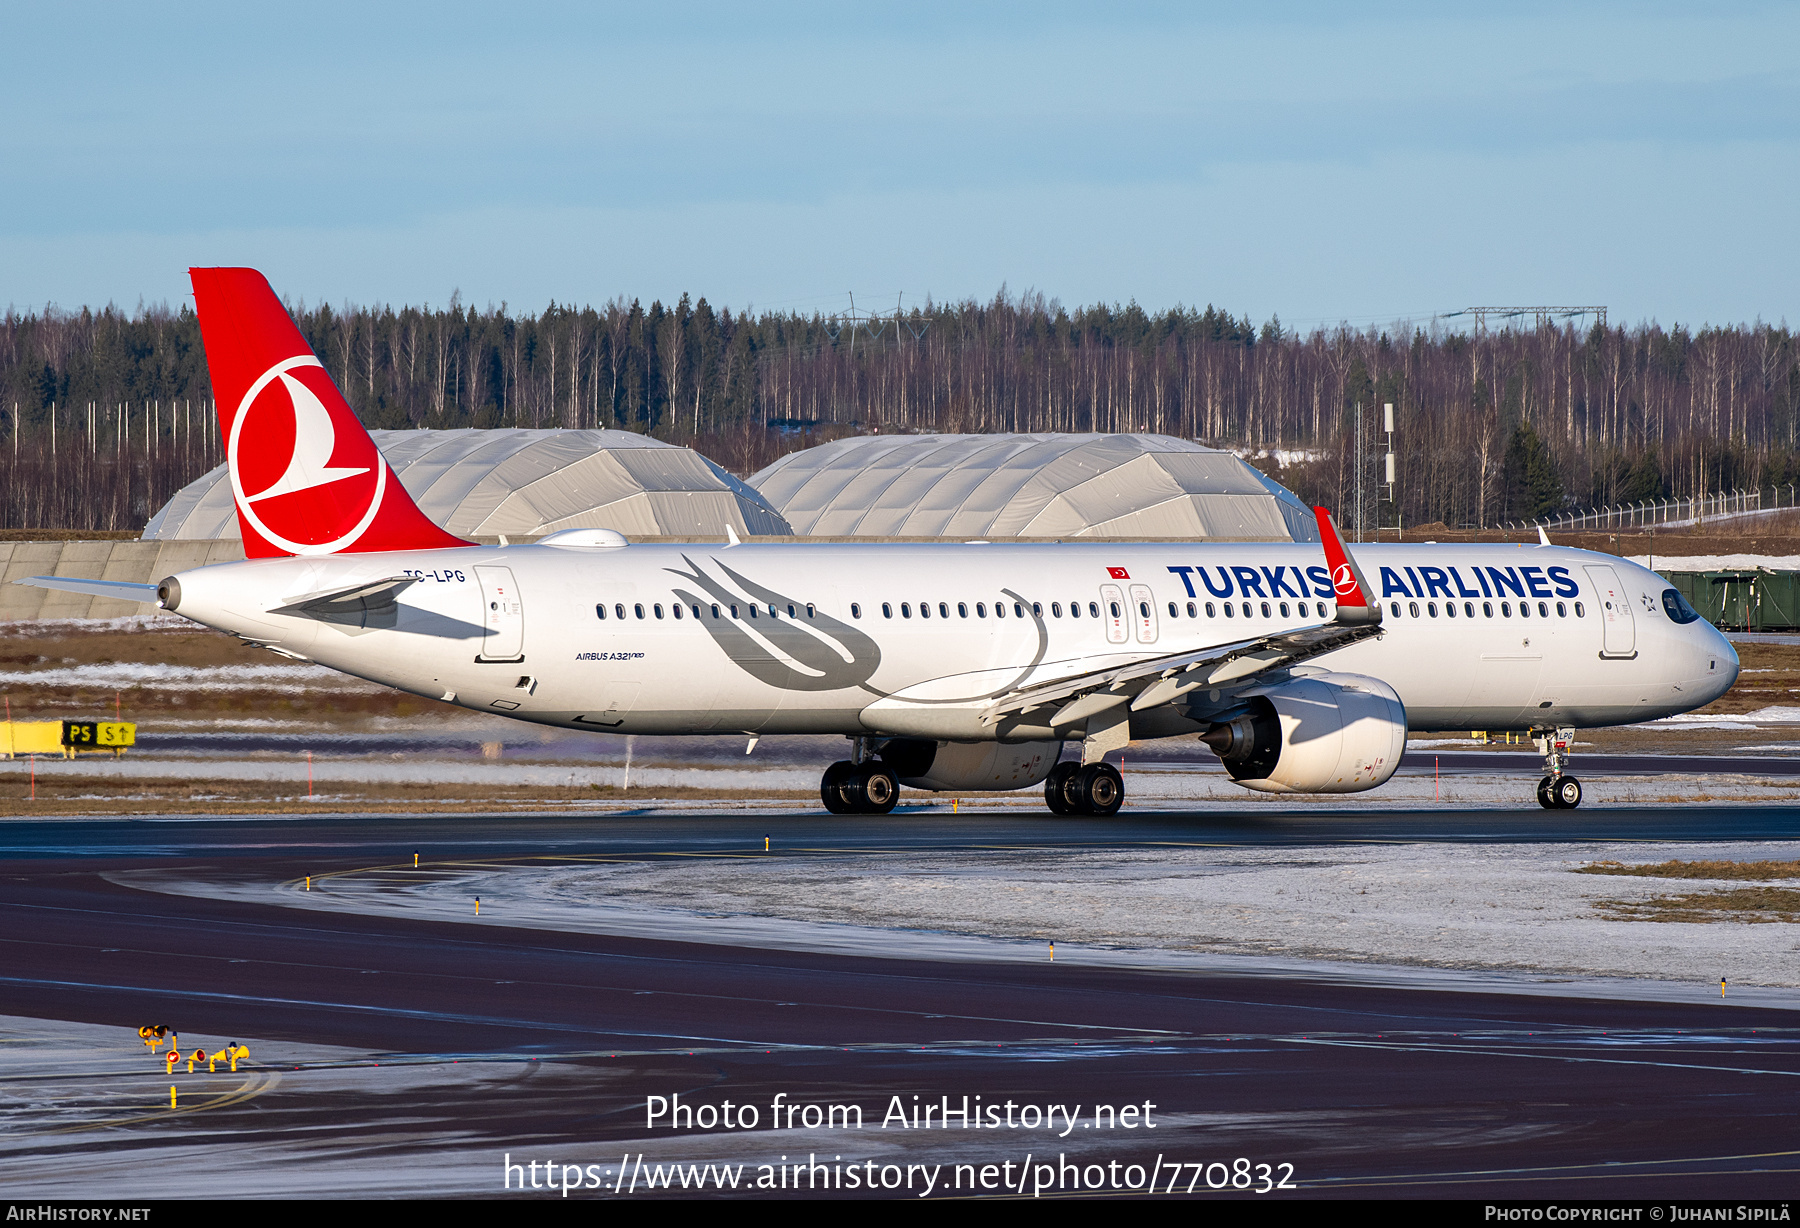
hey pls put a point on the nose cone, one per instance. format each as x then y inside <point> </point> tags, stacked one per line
<point>1720,664</point>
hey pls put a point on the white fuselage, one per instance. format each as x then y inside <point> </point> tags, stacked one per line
<point>833,638</point>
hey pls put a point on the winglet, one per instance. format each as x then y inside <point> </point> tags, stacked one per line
<point>733,539</point>
<point>1543,537</point>
<point>1354,604</point>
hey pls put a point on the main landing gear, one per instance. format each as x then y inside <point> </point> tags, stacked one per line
<point>859,785</point>
<point>1095,789</point>
<point>1557,790</point>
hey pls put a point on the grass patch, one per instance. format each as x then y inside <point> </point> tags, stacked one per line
<point>1745,871</point>
<point>1744,905</point>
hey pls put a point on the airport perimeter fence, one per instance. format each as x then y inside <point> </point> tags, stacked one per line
<point>1691,512</point>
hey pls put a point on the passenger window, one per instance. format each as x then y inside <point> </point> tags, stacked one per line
<point>1246,609</point>
<point>600,611</point>
<point>1412,608</point>
<point>905,610</point>
<point>1209,609</point>
<point>1074,609</point>
<point>1431,609</point>
<point>638,609</point>
<point>887,611</point>
<point>1265,609</point>
<point>1173,612</point>
<point>1524,609</point>
<point>962,609</point>
<point>1037,609</point>
<point>924,609</point>
<point>855,610</point>
<point>980,609</point>
<point>1192,612</point>
<point>715,609</point>
<point>1543,609</point>
<point>1284,609</point>
<point>999,609</point>
<point>1394,608</point>
<point>619,609</point>
<point>1094,608</point>
<point>944,610</point>
<point>658,608</point>
<point>1487,609</point>
<point>752,610</point>
<point>1562,611</point>
<point>790,611</point>
<point>1468,609</point>
<point>1506,609</point>
<point>1579,611</point>
<point>677,611</point>
<point>1227,609</point>
<point>1449,609</point>
<point>1114,606</point>
<point>1056,609</point>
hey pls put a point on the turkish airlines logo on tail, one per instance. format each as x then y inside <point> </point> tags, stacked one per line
<point>283,442</point>
<point>1343,580</point>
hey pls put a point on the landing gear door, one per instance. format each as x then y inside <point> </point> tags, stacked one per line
<point>1112,609</point>
<point>1615,613</point>
<point>1143,613</point>
<point>502,615</point>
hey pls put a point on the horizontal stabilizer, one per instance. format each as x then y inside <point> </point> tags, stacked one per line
<point>118,590</point>
<point>369,604</point>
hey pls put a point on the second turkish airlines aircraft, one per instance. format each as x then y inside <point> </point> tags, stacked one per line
<point>960,666</point>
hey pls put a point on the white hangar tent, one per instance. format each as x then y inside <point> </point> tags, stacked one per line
<point>523,482</point>
<point>984,486</point>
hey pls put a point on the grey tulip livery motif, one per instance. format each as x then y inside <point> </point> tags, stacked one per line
<point>830,655</point>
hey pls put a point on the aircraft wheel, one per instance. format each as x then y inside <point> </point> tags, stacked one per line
<point>1567,793</point>
<point>1101,789</point>
<point>831,787</point>
<point>1545,799</point>
<point>872,789</point>
<point>1056,787</point>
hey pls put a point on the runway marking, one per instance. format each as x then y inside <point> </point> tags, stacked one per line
<point>254,1086</point>
<point>1606,1169</point>
<point>1536,1057</point>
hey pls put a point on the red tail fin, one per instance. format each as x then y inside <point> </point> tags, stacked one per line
<point>306,475</point>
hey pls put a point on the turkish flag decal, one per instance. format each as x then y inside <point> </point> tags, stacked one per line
<point>1118,573</point>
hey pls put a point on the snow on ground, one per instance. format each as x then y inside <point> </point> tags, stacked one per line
<point>1773,715</point>
<point>1716,562</point>
<point>287,679</point>
<point>1514,912</point>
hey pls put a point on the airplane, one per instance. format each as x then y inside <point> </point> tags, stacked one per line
<point>956,666</point>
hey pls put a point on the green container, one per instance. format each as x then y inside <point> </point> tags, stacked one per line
<point>1742,600</point>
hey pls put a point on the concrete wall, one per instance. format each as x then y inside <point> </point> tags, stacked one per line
<point>135,562</point>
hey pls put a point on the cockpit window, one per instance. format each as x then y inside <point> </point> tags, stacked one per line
<point>1677,607</point>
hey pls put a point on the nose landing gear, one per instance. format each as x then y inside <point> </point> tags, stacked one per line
<point>1557,790</point>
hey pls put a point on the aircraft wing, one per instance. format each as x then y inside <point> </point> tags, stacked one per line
<point>118,590</point>
<point>1160,680</point>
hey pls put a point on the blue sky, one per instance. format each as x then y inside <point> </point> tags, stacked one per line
<point>1393,162</point>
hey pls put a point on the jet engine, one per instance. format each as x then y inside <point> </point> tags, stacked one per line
<point>951,766</point>
<point>1323,733</point>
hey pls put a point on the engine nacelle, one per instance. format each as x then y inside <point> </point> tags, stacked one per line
<point>974,766</point>
<point>1323,733</point>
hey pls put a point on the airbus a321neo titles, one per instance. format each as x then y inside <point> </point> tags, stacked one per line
<point>953,666</point>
